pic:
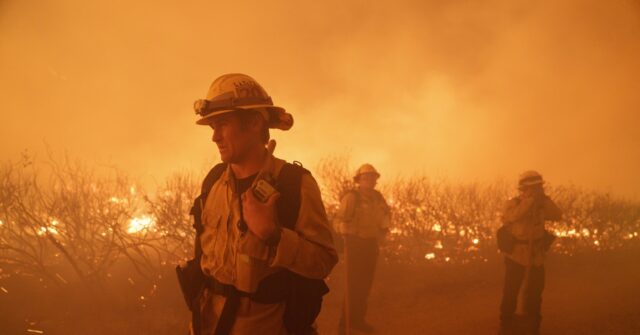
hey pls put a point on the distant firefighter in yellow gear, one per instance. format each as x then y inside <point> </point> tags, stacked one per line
<point>524,242</point>
<point>363,222</point>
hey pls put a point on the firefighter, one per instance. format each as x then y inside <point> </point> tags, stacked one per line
<point>265,243</point>
<point>363,222</point>
<point>524,241</point>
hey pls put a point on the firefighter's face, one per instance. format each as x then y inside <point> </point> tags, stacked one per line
<point>233,139</point>
<point>368,180</point>
<point>532,191</point>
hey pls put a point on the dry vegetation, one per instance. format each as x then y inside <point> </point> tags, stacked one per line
<point>439,221</point>
<point>67,231</point>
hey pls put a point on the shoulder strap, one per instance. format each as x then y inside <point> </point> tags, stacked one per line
<point>288,184</point>
<point>211,178</point>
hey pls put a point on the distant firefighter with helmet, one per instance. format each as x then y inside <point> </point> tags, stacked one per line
<point>263,242</point>
<point>363,222</point>
<point>524,241</point>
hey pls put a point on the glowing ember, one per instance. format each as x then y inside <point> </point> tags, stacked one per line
<point>476,241</point>
<point>585,232</point>
<point>566,233</point>
<point>393,231</point>
<point>436,227</point>
<point>596,242</point>
<point>52,230</point>
<point>4,289</point>
<point>1,223</point>
<point>44,230</point>
<point>35,331</point>
<point>117,200</point>
<point>139,224</point>
<point>430,255</point>
<point>438,245</point>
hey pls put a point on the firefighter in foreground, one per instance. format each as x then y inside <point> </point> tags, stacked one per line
<point>363,222</point>
<point>263,244</point>
<point>524,241</point>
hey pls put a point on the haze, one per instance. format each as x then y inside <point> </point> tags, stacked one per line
<point>457,89</point>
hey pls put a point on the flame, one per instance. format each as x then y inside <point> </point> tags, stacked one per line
<point>139,224</point>
<point>52,230</point>
<point>117,200</point>
<point>430,255</point>
<point>566,233</point>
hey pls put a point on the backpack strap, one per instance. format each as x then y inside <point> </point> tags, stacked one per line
<point>303,295</point>
<point>214,174</point>
<point>288,184</point>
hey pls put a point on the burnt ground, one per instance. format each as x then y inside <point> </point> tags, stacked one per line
<point>587,294</point>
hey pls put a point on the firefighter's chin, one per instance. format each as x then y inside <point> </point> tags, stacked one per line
<point>225,155</point>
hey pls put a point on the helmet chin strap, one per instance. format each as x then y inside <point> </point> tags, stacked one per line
<point>271,146</point>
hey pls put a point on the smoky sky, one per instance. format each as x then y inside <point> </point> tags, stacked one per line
<point>465,90</point>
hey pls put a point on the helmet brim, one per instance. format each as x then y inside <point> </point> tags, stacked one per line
<point>530,183</point>
<point>357,177</point>
<point>206,120</point>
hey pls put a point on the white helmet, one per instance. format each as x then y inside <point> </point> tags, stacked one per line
<point>365,168</point>
<point>530,178</point>
<point>237,92</point>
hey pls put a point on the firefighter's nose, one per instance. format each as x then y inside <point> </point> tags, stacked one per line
<point>217,136</point>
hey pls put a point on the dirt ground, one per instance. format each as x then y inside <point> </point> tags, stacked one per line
<point>590,294</point>
<point>585,295</point>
